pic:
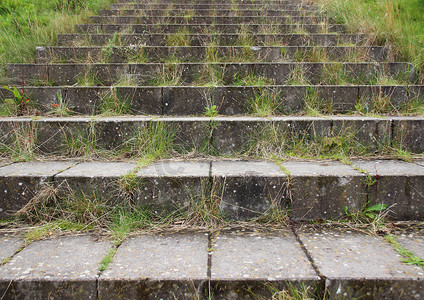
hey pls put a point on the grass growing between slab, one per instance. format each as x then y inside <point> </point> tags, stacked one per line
<point>25,24</point>
<point>399,23</point>
<point>408,256</point>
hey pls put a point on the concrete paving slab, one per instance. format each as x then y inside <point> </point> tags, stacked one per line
<point>170,185</point>
<point>358,265</point>
<point>96,179</point>
<point>243,261</point>
<point>9,244</point>
<point>20,182</point>
<point>249,188</point>
<point>321,190</point>
<point>412,240</point>
<point>398,184</point>
<point>157,267</point>
<point>64,267</point>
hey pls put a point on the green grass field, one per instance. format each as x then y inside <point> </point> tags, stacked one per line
<point>396,23</point>
<point>25,24</point>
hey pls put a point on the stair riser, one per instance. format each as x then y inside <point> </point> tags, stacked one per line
<point>238,196</point>
<point>228,136</point>
<point>200,74</point>
<point>205,12</point>
<point>200,54</point>
<point>185,101</point>
<point>205,20</point>
<point>207,28</point>
<point>214,6</point>
<point>218,39</point>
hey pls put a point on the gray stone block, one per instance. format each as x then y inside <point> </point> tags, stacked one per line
<point>64,135</point>
<point>243,262</point>
<point>191,133</point>
<point>250,189</point>
<point>322,190</point>
<point>186,100</point>
<point>169,185</point>
<point>400,185</point>
<point>20,182</point>
<point>9,244</point>
<point>27,74</point>
<point>407,133</point>
<point>66,74</point>
<point>97,181</point>
<point>165,266</point>
<point>356,265</point>
<point>412,241</point>
<point>341,99</point>
<point>233,135</point>
<point>58,268</point>
<point>371,133</point>
<point>118,133</point>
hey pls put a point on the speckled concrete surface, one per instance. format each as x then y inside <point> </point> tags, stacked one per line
<point>413,241</point>
<point>9,244</point>
<point>59,268</point>
<point>169,257</point>
<point>70,257</point>
<point>247,256</point>
<point>357,265</point>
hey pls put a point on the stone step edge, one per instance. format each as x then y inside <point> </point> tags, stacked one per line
<point>174,28</point>
<point>278,73</point>
<point>223,136</point>
<point>247,189</point>
<point>184,101</point>
<point>194,20</point>
<point>300,39</point>
<point>311,254</point>
<point>165,12</point>
<point>267,53</point>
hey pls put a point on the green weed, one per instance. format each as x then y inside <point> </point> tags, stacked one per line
<point>113,104</point>
<point>105,262</point>
<point>265,102</point>
<point>408,256</point>
<point>61,108</point>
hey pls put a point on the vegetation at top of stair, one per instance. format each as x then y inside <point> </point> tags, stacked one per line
<point>25,24</point>
<point>398,23</point>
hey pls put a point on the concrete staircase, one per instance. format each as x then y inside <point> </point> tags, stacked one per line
<point>244,98</point>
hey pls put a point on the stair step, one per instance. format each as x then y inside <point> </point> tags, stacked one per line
<point>306,190</point>
<point>229,100</point>
<point>215,265</point>
<point>194,20</point>
<point>200,74</point>
<point>206,12</point>
<point>235,7</point>
<point>162,39</point>
<point>151,54</point>
<point>208,28</point>
<point>220,135</point>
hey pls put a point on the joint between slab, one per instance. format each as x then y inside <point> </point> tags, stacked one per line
<point>308,255</point>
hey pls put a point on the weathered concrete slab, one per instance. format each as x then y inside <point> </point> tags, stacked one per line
<point>224,28</point>
<point>58,268</point>
<point>153,267</point>
<point>96,180</point>
<point>20,182</point>
<point>357,265</point>
<point>9,244</point>
<point>407,133</point>
<point>412,240</point>
<point>250,188</point>
<point>242,262</point>
<point>170,185</point>
<point>400,185</point>
<point>321,190</point>
<point>205,12</point>
<point>161,39</point>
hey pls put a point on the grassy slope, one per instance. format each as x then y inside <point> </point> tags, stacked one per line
<point>25,24</point>
<point>399,23</point>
